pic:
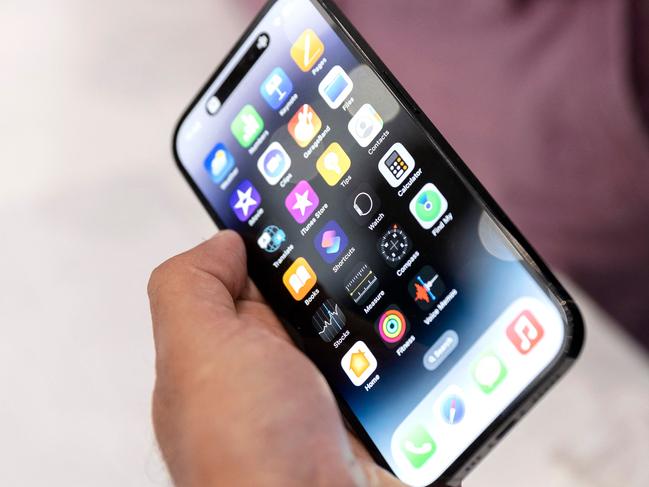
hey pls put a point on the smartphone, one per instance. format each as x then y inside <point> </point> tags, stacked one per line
<point>435,323</point>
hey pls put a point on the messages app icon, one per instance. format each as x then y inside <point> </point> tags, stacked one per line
<point>299,279</point>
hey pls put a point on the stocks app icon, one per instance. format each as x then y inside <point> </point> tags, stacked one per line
<point>426,287</point>
<point>329,320</point>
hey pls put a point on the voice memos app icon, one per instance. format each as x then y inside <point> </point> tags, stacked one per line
<point>328,320</point>
<point>428,206</point>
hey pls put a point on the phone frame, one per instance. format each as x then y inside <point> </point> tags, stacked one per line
<point>574,326</point>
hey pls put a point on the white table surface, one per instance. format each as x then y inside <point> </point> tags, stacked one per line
<point>90,202</point>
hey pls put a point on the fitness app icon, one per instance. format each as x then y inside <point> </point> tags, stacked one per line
<point>330,242</point>
<point>428,206</point>
<point>392,326</point>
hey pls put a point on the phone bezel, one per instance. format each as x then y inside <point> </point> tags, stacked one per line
<point>572,319</point>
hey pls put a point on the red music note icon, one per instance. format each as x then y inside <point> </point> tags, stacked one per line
<point>525,332</point>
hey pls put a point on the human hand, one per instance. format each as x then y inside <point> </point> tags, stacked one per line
<point>235,402</point>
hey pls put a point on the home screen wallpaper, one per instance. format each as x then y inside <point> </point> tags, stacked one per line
<point>397,283</point>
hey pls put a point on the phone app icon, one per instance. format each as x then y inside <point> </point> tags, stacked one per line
<point>219,163</point>
<point>396,165</point>
<point>426,287</point>
<point>329,320</point>
<point>271,239</point>
<point>428,206</point>
<point>525,332</point>
<point>299,279</point>
<point>307,50</point>
<point>488,372</point>
<point>274,163</point>
<point>417,445</point>
<point>363,203</point>
<point>247,126</point>
<point>451,405</point>
<point>333,164</point>
<point>361,283</point>
<point>392,326</point>
<point>330,242</point>
<point>394,245</point>
<point>358,363</point>
<point>302,201</point>
<point>365,125</point>
<point>245,199</point>
<point>335,87</point>
<point>304,125</point>
<point>276,88</point>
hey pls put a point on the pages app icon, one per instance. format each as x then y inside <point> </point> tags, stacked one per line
<point>299,279</point>
<point>307,50</point>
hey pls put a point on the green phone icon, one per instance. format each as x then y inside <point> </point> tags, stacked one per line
<point>247,126</point>
<point>418,446</point>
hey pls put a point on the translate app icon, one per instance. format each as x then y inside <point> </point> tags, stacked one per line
<point>330,242</point>
<point>219,163</point>
<point>244,200</point>
<point>276,88</point>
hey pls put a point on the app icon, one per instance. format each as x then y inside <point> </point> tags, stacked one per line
<point>245,199</point>
<point>365,125</point>
<point>333,164</point>
<point>394,245</point>
<point>273,163</point>
<point>418,446</point>
<point>525,332</point>
<point>307,50</point>
<point>451,405</point>
<point>488,372</point>
<point>330,242</point>
<point>219,163</point>
<point>363,203</point>
<point>276,88</point>
<point>247,126</point>
<point>358,363</point>
<point>299,279</point>
<point>335,87</point>
<point>302,201</point>
<point>426,287</point>
<point>361,283</point>
<point>396,165</point>
<point>428,205</point>
<point>304,125</point>
<point>271,239</point>
<point>329,320</point>
<point>392,326</point>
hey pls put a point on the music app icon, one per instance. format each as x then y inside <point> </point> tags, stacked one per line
<point>525,332</point>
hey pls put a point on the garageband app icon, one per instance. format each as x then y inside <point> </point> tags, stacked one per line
<point>304,125</point>
<point>302,201</point>
<point>394,245</point>
<point>426,287</point>
<point>307,49</point>
<point>428,206</point>
<point>299,279</point>
<point>330,242</point>
<point>247,126</point>
<point>274,163</point>
<point>396,165</point>
<point>276,88</point>
<point>392,326</point>
<point>361,283</point>
<point>365,125</point>
<point>358,363</point>
<point>335,87</point>
<point>329,320</point>
<point>244,200</point>
<point>525,332</point>
<point>219,163</point>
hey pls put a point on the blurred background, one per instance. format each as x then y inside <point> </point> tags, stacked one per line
<point>547,101</point>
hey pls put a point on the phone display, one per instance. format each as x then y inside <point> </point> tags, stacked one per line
<point>427,318</point>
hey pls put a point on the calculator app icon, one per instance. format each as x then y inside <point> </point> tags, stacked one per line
<point>396,165</point>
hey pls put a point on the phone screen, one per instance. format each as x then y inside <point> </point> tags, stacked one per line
<point>396,280</point>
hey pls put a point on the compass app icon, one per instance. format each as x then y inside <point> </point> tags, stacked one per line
<point>244,200</point>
